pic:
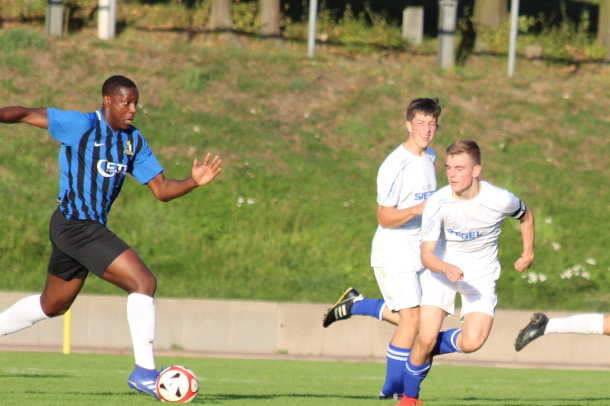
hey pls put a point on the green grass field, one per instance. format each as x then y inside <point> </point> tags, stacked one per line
<point>30,379</point>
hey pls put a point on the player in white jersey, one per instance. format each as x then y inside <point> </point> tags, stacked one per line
<point>468,213</point>
<point>406,179</point>
<point>540,324</point>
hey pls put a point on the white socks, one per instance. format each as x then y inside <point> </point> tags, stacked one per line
<point>140,315</point>
<point>21,315</point>
<point>591,323</point>
<point>141,318</point>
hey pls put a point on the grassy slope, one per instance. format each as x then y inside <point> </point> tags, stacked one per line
<point>31,379</point>
<point>303,140</point>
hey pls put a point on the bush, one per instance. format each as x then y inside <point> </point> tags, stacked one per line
<point>245,17</point>
<point>567,42</point>
<point>361,33</point>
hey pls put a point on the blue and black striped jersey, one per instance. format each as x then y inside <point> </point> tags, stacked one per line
<point>93,162</point>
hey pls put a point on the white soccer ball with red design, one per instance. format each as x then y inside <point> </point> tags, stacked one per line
<point>177,384</point>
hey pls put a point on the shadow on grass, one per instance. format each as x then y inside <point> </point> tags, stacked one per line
<point>228,397</point>
<point>37,376</point>
<point>533,402</point>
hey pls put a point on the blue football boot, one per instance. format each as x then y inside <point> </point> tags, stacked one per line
<point>144,380</point>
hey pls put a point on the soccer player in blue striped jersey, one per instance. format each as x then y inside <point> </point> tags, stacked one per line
<point>97,151</point>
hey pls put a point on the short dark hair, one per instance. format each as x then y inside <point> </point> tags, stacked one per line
<point>114,84</point>
<point>427,107</point>
<point>468,147</point>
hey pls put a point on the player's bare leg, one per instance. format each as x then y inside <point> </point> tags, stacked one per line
<point>406,330</point>
<point>390,316</point>
<point>56,299</point>
<point>129,273</point>
<point>58,295</point>
<point>420,360</point>
<point>476,329</point>
<point>428,333</point>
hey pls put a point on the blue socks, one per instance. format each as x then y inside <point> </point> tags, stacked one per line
<point>395,368</point>
<point>413,377</point>
<point>368,307</point>
<point>446,342</point>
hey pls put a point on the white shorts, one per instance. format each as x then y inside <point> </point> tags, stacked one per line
<point>400,289</point>
<point>478,295</point>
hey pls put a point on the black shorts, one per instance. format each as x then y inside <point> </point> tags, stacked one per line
<point>80,247</point>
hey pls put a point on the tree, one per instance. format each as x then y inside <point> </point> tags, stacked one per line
<point>221,18</point>
<point>603,27</point>
<point>487,14</point>
<point>269,14</point>
<point>490,13</point>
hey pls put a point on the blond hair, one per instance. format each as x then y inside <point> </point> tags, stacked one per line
<point>468,147</point>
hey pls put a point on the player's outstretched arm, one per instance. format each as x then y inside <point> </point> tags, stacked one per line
<point>527,234</point>
<point>166,189</point>
<point>435,264</point>
<point>17,114</point>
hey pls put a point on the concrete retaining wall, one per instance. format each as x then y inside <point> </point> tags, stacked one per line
<point>249,328</point>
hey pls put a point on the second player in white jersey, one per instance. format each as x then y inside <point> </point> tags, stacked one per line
<point>404,180</point>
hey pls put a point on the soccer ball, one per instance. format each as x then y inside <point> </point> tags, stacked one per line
<point>177,384</point>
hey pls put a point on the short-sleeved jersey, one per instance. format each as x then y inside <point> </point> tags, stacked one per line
<point>94,160</point>
<point>471,228</point>
<point>404,180</point>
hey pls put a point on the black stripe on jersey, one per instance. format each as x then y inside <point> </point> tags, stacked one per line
<point>80,180</point>
<point>93,168</point>
<point>520,212</point>
<point>74,195</point>
<point>140,143</point>
<point>68,210</point>
<point>106,183</point>
<point>118,184</point>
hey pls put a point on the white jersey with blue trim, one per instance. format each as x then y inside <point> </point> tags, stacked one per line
<point>404,180</point>
<point>470,227</point>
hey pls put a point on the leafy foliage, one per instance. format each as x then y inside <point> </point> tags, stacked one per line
<point>566,42</point>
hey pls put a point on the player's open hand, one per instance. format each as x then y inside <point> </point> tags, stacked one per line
<point>453,273</point>
<point>207,171</point>
<point>523,263</point>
